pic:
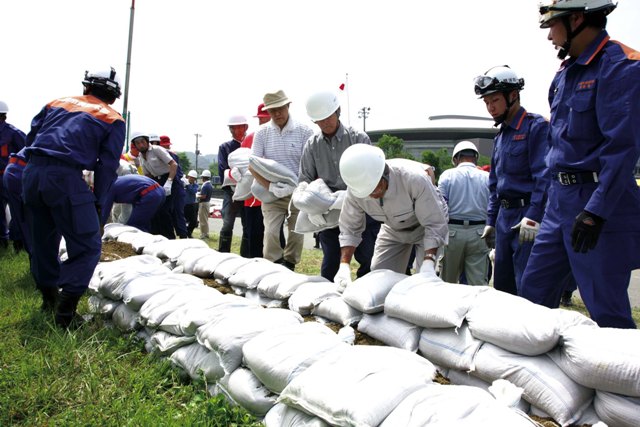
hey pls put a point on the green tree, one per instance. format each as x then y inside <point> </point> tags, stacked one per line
<point>184,162</point>
<point>393,148</point>
<point>440,159</point>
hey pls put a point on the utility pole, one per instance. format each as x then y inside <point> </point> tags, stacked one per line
<point>125,109</point>
<point>197,151</point>
<point>363,113</point>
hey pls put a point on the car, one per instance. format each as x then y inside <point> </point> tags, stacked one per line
<point>215,209</point>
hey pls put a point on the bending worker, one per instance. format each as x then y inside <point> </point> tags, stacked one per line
<point>398,193</point>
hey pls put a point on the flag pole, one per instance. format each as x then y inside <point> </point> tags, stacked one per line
<point>125,108</point>
<point>348,105</point>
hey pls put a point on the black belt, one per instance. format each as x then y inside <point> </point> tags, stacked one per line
<point>571,178</point>
<point>44,160</point>
<point>465,222</point>
<point>518,202</point>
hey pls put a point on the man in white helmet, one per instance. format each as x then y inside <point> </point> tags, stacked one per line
<point>399,194</point>
<point>320,159</point>
<point>281,140</point>
<point>204,206</point>
<point>68,135</point>
<point>518,178</point>
<point>231,209</point>
<point>190,202</point>
<point>11,141</point>
<point>590,226</point>
<point>466,190</point>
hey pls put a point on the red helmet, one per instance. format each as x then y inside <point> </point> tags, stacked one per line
<point>261,112</point>
<point>165,141</point>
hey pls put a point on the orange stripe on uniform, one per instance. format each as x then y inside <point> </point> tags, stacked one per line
<point>598,49</point>
<point>524,114</point>
<point>86,104</point>
<point>631,53</point>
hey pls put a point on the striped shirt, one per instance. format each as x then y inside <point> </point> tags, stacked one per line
<point>282,145</point>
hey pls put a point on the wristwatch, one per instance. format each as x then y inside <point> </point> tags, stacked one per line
<point>432,257</point>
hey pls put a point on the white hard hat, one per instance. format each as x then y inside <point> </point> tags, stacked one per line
<point>462,146</point>
<point>559,8</point>
<point>4,108</point>
<point>321,105</point>
<point>206,173</point>
<point>237,120</point>
<point>154,137</point>
<point>361,167</point>
<point>193,174</point>
<point>135,135</point>
<point>497,79</point>
<point>107,80</point>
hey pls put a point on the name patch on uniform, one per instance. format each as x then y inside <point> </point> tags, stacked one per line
<point>586,85</point>
<point>520,137</point>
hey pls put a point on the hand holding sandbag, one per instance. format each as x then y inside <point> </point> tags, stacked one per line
<point>167,187</point>
<point>281,189</point>
<point>343,277</point>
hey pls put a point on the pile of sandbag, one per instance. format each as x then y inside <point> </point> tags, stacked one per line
<point>293,373</point>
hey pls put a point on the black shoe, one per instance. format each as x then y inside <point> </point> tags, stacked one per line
<point>565,300</point>
<point>66,316</point>
<point>49,299</point>
<point>18,245</point>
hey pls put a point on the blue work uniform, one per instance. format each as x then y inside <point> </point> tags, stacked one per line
<point>177,192</point>
<point>190,207</point>
<point>230,208</point>
<point>69,135</point>
<point>517,184</point>
<point>12,183</point>
<point>595,144</point>
<point>11,141</point>
<point>143,194</point>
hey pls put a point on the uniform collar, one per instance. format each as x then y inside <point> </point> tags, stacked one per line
<point>518,118</point>
<point>593,49</point>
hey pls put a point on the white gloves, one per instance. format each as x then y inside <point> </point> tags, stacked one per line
<point>343,277</point>
<point>489,236</point>
<point>428,268</point>
<point>235,174</point>
<point>528,230</point>
<point>281,189</point>
<point>337,204</point>
<point>317,220</point>
<point>167,187</point>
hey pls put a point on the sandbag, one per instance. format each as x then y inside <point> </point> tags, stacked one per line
<point>272,171</point>
<point>310,294</point>
<point>125,319</point>
<point>239,158</point>
<point>114,229</point>
<point>450,347</point>
<point>197,361</point>
<point>165,344</point>
<point>160,305</point>
<point>336,310</point>
<point>368,293</point>
<point>207,264</point>
<point>102,305</point>
<point>139,290</point>
<point>283,284</point>
<point>249,275</point>
<point>171,249</point>
<point>617,410</point>
<point>255,296</point>
<point>243,187</point>
<point>391,331</point>
<point>143,239</point>
<point>314,198</point>
<point>228,268</point>
<point>303,225</point>
<point>282,415</point>
<point>247,391</point>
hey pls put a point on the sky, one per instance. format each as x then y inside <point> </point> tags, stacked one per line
<point>195,63</point>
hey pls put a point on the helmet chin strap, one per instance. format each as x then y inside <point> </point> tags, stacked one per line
<point>564,49</point>
<point>500,119</point>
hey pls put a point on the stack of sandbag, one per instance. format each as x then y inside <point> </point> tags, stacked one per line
<point>273,172</point>
<point>316,199</point>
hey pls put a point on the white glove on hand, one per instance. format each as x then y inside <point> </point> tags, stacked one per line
<point>317,220</point>
<point>343,277</point>
<point>489,236</point>
<point>337,204</point>
<point>235,174</point>
<point>281,189</point>
<point>167,187</point>
<point>528,230</point>
<point>428,268</point>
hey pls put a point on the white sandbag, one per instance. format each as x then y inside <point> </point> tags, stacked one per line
<point>545,385</point>
<point>513,323</point>
<point>207,264</point>
<point>310,294</point>
<point>125,319</point>
<point>247,391</point>
<point>464,378</point>
<point>359,386</point>
<point>282,415</point>
<point>197,361</point>
<point>337,311</point>
<point>314,198</point>
<point>160,305</point>
<point>254,296</point>
<point>239,158</point>
<point>249,275</point>
<point>303,225</point>
<point>430,302</point>
<point>569,318</point>
<point>187,319</point>
<point>171,249</point>
<point>164,343</point>
<point>243,187</point>
<point>606,359</point>
<point>143,239</point>
<point>591,418</point>
<point>617,410</point>
<point>138,291</point>
<point>276,356</point>
<point>450,347</point>
<point>114,229</point>
<point>391,331</point>
<point>112,286</point>
<point>273,171</point>
<point>452,405</point>
<point>226,269</point>
<point>190,255</point>
<point>367,293</point>
<point>102,305</point>
<point>347,335</point>
<point>262,193</point>
<point>128,236</point>
<point>283,284</point>
<point>227,335</point>
<point>119,267</point>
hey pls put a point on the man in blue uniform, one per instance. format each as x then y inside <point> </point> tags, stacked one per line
<point>143,193</point>
<point>11,141</point>
<point>12,183</point>
<point>68,135</point>
<point>590,225</point>
<point>517,180</point>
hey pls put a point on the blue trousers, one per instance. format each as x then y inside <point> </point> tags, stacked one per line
<point>253,231</point>
<point>12,180</point>
<point>603,273</point>
<point>511,257</point>
<point>144,208</point>
<point>58,203</point>
<point>4,224</point>
<point>178,219</point>
<point>230,210</point>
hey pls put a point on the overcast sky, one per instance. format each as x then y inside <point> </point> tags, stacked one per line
<point>197,62</point>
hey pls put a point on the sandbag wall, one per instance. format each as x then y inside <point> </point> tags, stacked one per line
<point>256,349</point>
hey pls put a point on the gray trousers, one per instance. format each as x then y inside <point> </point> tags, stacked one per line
<point>466,252</point>
<point>274,215</point>
<point>393,249</point>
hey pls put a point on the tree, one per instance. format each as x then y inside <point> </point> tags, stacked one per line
<point>184,162</point>
<point>441,160</point>
<point>393,148</point>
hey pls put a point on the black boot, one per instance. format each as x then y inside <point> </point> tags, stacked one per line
<point>565,300</point>
<point>244,248</point>
<point>66,316</point>
<point>18,245</point>
<point>225,244</point>
<point>49,299</point>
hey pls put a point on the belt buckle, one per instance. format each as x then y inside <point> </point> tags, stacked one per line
<point>504,203</point>
<point>564,178</point>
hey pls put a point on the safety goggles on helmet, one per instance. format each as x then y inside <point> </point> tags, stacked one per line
<point>560,8</point>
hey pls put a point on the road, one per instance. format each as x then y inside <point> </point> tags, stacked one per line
<point>634,287</point>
